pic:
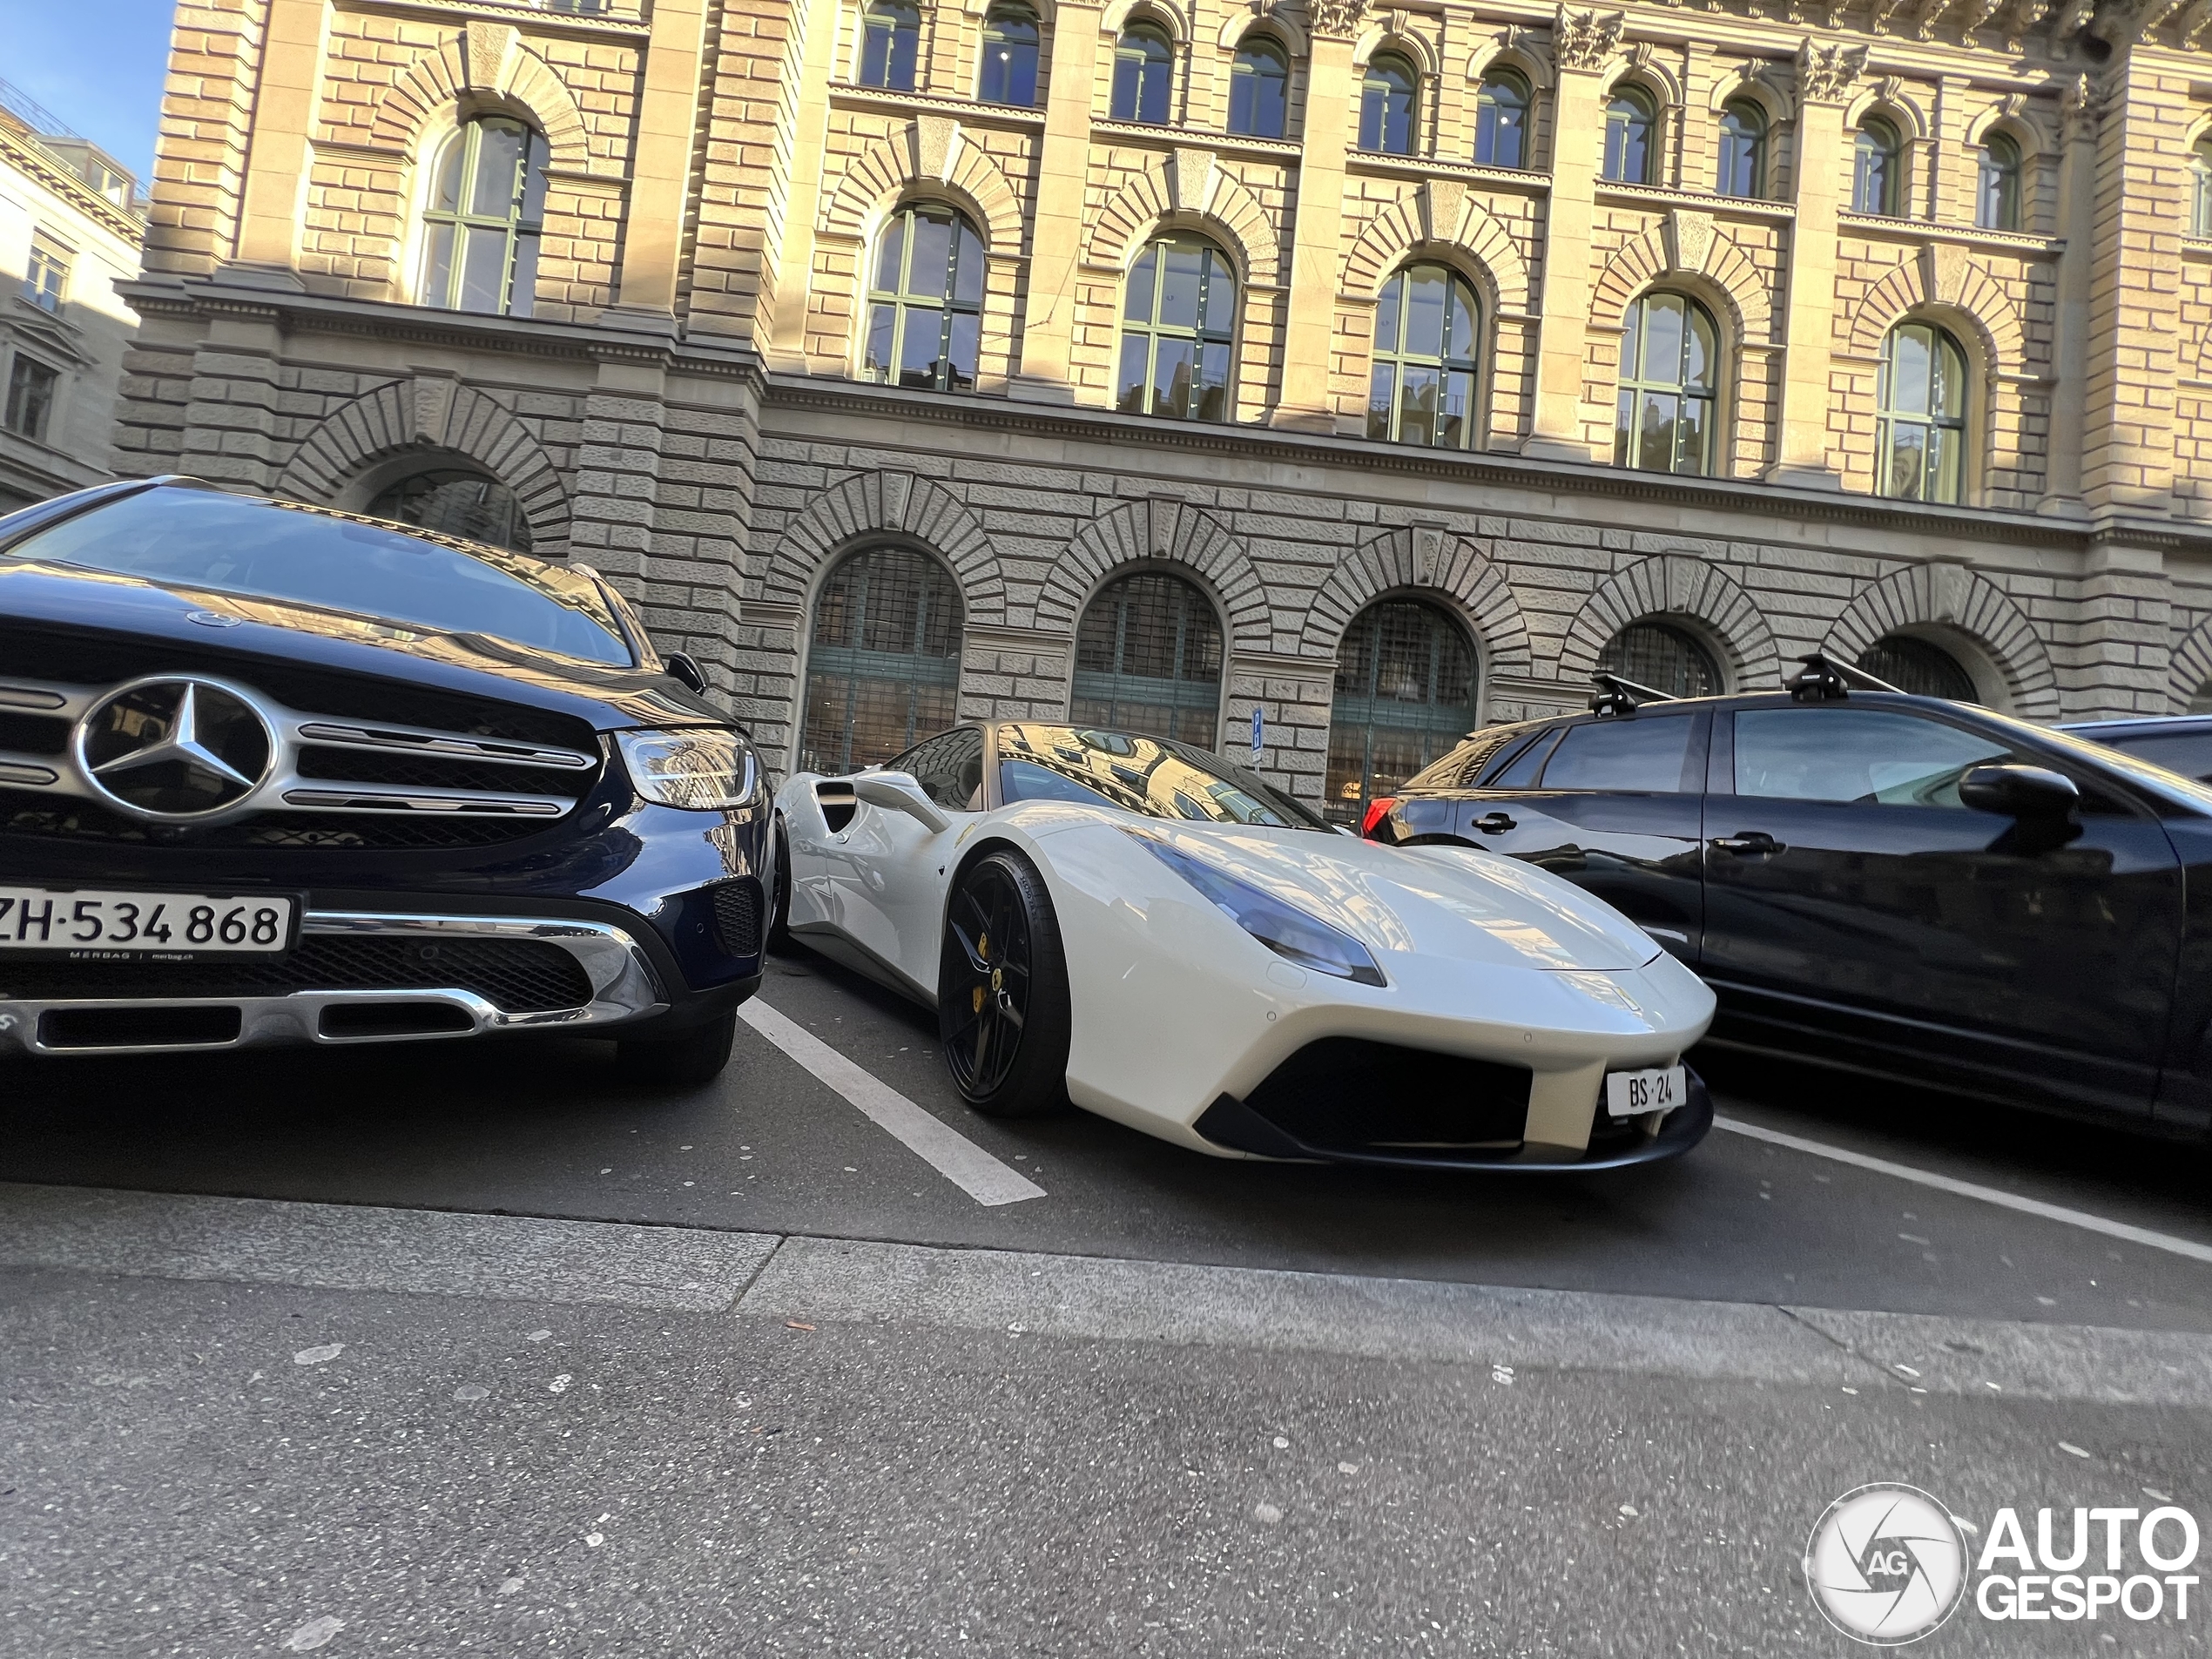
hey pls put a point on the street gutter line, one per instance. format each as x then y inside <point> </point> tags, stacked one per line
<point>966,1165</point>
<point>2080,1218</point>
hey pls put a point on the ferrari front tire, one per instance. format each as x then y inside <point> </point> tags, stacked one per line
<point>1003,1009</point>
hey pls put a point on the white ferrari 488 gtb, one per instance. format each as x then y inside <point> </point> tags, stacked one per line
<point>1163,938</point>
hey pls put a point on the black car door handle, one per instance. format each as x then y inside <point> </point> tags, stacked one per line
<point>1748,843</point>
<point>1494,823</point>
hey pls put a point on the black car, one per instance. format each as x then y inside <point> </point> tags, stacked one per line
<point>2179,743</point>
<point>273,773</point>
<point>1893,884</point>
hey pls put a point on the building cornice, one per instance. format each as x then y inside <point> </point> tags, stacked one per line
<point>34,163</point>
<point>535,20</point>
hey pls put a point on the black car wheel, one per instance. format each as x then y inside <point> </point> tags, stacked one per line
<point>695,1057</point>
<point>1002,1009</point>
<point>779,893</point>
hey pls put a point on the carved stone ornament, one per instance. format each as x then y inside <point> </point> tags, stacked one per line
<point>1585,40</point>
<point>1826,74</point>
<point>486,46</point>
<point>1337,18</point>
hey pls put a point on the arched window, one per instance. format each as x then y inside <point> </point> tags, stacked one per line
<point>1742,170</point>
<point>1148,659</point>
<point>1875,168</point>
<point>925,303</point>
<point>1387,98</point>
<point>1921,394</point>
<point>1009,57</point>
<point>2200,188</point>
<point>883,664</point>
<point>1259,89</point>
<point>1405,694</point>
<point>1143,66</point>
<point>486,213</point>
<point>1670,364</point>
<point>1423,386</point>
<point>1632,137</point>
<point>1663,657</point>
<point>457,503</point>
<point>1177,324</point>
<point>890,32</point>
<point>1502,120</point>
<point>1914,665</point>
<point>1997,195</point>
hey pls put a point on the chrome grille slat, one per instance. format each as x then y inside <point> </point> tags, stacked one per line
<point>414,740</point>
<point>375,798</point>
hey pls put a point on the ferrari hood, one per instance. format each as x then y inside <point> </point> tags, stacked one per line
<point>1452,902</point>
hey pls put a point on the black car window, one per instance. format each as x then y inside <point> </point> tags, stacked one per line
<point>1153,776</point>
<point>309,555</point>
<point>2186,753</point>
<point>1643,755</point>
<point>1519,771</point>
<point>949,767</point>
<point>1870,756</point>
<point>1460,768</point>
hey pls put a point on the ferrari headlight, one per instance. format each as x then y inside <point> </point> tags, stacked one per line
<point>1285,929</point>
<point>705,768</point>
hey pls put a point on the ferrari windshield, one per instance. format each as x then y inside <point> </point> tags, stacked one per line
<point>202,538</point>
<point>1154,776</point>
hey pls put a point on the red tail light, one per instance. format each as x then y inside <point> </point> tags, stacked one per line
<point>1377,811</point>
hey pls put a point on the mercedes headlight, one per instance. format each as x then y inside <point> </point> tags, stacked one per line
<point>707,769</point>
<point>1285,929</point>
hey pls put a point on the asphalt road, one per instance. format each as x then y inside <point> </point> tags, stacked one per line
<point>1140,1436</point>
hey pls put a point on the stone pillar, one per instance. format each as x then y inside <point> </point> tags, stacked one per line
<point>1056,231</point>
<point>660,173</point>
<point>1825,78</point>
<point>2124,613</point>
<point>1582,44</point>
<point>618,466</point>
<point>231,420</point>
<point>785,346</point>
<point>1309,332</point>
<point>2077,225</point>
<point>279,157</point>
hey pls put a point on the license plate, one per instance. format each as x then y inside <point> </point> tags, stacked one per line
<point>94,924</point>
<point>1631,1093</point>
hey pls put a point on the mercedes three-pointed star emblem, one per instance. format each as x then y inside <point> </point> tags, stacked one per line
<point>174,749</point>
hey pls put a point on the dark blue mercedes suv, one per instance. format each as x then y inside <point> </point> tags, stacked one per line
<point>274,773</point>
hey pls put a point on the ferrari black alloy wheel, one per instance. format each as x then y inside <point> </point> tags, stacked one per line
<point>1003,1009</point>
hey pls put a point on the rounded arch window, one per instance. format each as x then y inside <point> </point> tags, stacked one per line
<point>1876,157</point>
<point>1427,326</point>
<point>456,502</point>
<point>1663,657</point>
<point>882,660</point>
<point>1010,39</point>
<point>1920,392</point>
<point>1743,162</point>
<point>890,35</point>
<point>1997,191</point>
<point>926,301</point>
<point>1502,120</point>
<point>485,219</point>
<point>1178,322</point>
<point>1632,137</point>
<point>1663,417</point>
<point>1148,659</point>
<point>1144,67</point>
<point>2200,187</point>
<point>1405,694</point>
<point>1259,89</point>
<point>1387,100</point>
<point>1914,665</point>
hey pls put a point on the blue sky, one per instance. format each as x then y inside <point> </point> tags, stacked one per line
<point>97,64</point>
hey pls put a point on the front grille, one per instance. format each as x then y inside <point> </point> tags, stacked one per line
<point>415,770</point>
<point>515,976</point>
<point>24,812</point>
<point>32,734</point>
<point>737,917</point>
<point>1346,1094</point>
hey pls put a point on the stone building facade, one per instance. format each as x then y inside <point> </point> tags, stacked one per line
<point>1908,303</point>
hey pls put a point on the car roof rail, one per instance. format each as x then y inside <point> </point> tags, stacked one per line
<point>1617,695</point>
<point>1822,679</point>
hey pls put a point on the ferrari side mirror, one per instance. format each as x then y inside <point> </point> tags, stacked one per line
<point>898,791</point>
<point>2018,792</point>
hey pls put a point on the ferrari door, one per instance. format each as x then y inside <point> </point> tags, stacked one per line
<point>894,900</point>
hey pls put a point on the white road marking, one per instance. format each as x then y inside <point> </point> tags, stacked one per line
<point>966,1165</point>
<point>2082,1218</point>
